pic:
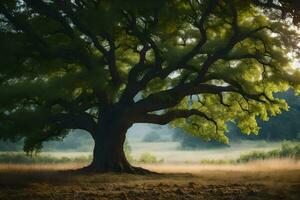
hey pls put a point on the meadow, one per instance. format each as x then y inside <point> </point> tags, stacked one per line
<point>237,153</point>
<point>267,173</point>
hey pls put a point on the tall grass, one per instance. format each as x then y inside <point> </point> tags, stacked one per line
<point>288,149</point>
<point>148,158</point>
<point>21,158</point>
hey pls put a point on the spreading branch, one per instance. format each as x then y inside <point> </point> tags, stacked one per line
<point>171,115</point>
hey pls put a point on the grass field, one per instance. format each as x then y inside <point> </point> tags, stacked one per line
<point>170,152</point>
<point>237,153</point>
<point>272,179</point>
<point>247,171</point>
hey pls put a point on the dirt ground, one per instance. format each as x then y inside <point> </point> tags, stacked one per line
<point>272,181</point>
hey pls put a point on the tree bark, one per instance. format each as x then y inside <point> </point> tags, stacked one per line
<point>108,154</point>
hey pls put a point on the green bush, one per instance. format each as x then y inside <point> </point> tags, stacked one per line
<point>217,162</point>
<point>255,155</point>
<point>290,149</point>
<point>287,150</point>
<point>149,158</point>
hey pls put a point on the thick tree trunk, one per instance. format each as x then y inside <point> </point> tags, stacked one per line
<point>108,154</point>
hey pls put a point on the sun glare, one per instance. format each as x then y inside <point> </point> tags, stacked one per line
<point>296,64</point>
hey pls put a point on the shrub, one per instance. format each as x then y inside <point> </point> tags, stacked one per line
<point>217,162</point>
<point>149,158</point>
<point>290,149</point>
<point>287,150</point>
<point>254,155</point>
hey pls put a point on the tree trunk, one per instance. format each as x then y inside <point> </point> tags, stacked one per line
<point>108,154</point>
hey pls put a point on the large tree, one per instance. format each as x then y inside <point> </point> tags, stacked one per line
<point>103,65</point>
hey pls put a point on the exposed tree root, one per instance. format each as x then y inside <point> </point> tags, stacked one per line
<point>116,169</point>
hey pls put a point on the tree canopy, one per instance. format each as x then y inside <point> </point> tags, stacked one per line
<point>282,127</point>
<point>195,64</point>
<point>285,126</point>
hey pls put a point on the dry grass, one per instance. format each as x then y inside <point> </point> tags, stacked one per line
<point>274,179</point>
<point>261,165</point>
<point>38,167</point>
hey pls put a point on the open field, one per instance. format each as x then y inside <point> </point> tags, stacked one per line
<point>171,153</point>
<point>273,179</point>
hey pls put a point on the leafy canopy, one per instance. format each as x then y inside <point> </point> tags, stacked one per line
<point>197,64</point>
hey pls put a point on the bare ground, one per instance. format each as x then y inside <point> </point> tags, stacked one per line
<point>262,180</point>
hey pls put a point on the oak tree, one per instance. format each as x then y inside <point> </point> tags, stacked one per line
<point>104,65</point>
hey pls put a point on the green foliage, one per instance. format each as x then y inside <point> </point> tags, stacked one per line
<point>22,158</point>
<point>217,162</point>
<point>77,141</point>
<point>273,129</point>
<point>258,155</point>
<point>148,158</point>
<point>287,150</point>
<point>65,63</point>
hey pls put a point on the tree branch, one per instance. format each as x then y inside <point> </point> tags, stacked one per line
<point>156,70</point>
<point>108,54</point>
<point>74,121</point>
<point>171,97</point>
<point>42,7</point>
<point>171,115</point>
<point>72,53</point>
<point>190,55</point>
